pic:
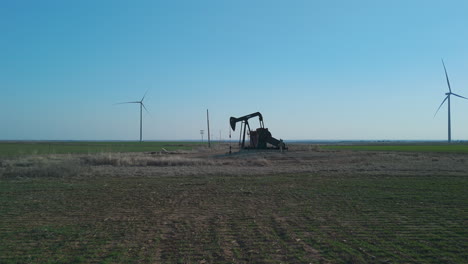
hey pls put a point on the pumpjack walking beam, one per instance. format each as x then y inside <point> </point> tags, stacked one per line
<point>245,124</point>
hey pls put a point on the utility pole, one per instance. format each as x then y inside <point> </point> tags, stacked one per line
<point>201,133</point>
<point>208,123</point>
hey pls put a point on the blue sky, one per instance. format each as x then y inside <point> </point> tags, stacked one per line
<point>314,69</point>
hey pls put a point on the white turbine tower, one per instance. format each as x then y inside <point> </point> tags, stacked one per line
<point>447,98</point>
<point>141,112</point>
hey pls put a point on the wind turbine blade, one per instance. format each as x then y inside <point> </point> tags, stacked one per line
<point>460,96</point>
<point>446,76</point>
<point>142,104</point>
<point>143,98</point>
<point>441,104</point>
<point>129,103</point>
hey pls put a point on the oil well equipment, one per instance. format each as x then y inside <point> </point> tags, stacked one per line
<point>260,138</point>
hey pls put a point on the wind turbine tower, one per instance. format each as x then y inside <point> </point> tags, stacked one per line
<point>141,112</point>
<point>447,98</point>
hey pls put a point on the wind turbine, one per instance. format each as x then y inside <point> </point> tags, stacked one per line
<point>447,98</point>
<point>141,112</point>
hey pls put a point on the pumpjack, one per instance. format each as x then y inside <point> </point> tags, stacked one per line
<point>259,138</point>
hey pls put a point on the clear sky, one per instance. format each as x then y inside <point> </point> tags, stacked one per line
<point>315,69</point>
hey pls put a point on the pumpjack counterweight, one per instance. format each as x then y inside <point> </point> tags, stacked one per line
<point>259,138</point>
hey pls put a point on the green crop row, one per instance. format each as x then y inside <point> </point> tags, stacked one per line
<point>448,148</point>
<point>41,148</point>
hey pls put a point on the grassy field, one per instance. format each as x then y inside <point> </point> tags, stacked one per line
<point>234,219</point>
<point>207,207</point>
<point>12,149</point>
<point>62,147</point>
<point>448,148</point>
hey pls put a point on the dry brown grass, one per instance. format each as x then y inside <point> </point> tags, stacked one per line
<point>52,166</point>
<point>62,170</point>
<point>63,166</point>
<point>119,159</point>
<point>300,159</point>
